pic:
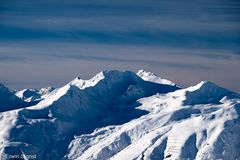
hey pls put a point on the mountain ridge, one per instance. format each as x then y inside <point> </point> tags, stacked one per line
<point>119,115</point>
<point>31,95</point>
<point>9,101</point>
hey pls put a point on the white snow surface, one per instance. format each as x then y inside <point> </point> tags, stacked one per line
<point>126,116</point>
<point>31,95</point>
<point>152,77</point>
<point>82,84</point>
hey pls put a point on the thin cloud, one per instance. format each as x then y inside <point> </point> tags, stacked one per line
<point>57,39</point>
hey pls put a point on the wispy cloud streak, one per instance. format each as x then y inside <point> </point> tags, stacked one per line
<point>174,38</point>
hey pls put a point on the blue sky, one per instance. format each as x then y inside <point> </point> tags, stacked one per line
<point>50,42</point>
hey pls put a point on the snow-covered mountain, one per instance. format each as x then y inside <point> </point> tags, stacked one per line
<point>31,95</point>
<point>8,100</point>
<point>152,77</point>
<point>124,115</point>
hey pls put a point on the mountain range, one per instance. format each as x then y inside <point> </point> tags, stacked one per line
<point>120,115</point>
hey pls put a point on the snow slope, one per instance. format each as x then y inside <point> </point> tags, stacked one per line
<point>152,77</point>
<point>8,100</point>
<point>30,95</point>
<point>172,130</point>
<point>123,115</point>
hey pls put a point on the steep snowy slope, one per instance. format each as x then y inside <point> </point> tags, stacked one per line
<point>8,100</point>
<point>172,130</point>
<point>123,115</point>
<point>76,109</point>
<point>30,95</point>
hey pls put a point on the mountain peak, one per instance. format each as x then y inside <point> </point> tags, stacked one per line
<point>8,100</point>
<point>142,72</point>
<point>120,86</point>
<point>207,84</point>
<point>76,79</point>
<point>123,115</point>
<point>82,84</point>
<point>203,85</point>
<point>206,92</point>
<point>34,95</point>
<point>152,77</point>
